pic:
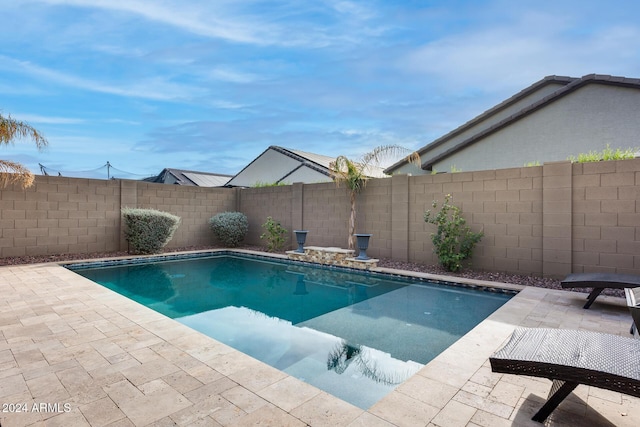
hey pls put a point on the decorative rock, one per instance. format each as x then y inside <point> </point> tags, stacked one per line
<point>332,256</point>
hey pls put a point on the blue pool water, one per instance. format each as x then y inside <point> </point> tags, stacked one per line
<point>355,335</point>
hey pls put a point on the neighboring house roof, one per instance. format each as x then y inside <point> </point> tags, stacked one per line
<point>319,159</point>
<point>187,177</point>
<point>284,165</point>
<point>325,161</point>
<point>531,99</point>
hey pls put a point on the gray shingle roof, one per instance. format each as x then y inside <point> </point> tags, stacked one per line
<point>193,178</point>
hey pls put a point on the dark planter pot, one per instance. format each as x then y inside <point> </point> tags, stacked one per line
<point>301,237</point>
<point>363,244</point>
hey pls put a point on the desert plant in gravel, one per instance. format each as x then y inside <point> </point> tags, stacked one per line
<point>148,230</point>
<point>229,227</point>
<point>274,233</point>
<point>453,240</point>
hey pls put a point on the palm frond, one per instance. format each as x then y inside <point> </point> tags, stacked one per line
<point>414,159</point>
<point>11,172</point>
<point>14,173</point>
<point>346,172</point>
<point>10,129</point>
<point>382,153</point>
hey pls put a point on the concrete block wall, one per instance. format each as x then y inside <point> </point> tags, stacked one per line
<point>606,217</point>
<point>505,204</point>
<point>544,220</point>
<point>194,205</point>
<point>70,215</point>
<point>325,213</point>
<point>60,215</point>
<point>556,219</point>
<point>259,203</point>
<point>375,207</point>
<point>322,209</point>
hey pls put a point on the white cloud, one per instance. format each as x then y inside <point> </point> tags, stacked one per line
<point>188,16</point>
<point>154,88</point>
<point>35,118</point>
<point>226,20</point>
<point>522,51</point>
<point>20,89</point>
<point>232,76</point>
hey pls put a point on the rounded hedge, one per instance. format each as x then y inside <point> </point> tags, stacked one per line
<point>229,227</point>
<point>148,230</point>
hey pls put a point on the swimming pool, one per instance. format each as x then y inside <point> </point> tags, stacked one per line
<point>355,335</point>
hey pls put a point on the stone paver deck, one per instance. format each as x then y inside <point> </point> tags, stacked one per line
<point>73,353</point>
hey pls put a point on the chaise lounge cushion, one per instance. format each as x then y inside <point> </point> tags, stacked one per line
<point>571,357</point>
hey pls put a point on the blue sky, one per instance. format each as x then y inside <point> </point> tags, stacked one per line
<point>208,85</point>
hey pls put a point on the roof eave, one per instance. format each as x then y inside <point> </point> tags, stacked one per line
<point>553,79</point>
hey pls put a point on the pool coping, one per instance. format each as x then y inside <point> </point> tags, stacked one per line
<point>174,256</point>
<point>443,392</point>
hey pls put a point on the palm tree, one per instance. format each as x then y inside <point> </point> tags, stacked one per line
<point>12,172</point>
<point>355,174</point>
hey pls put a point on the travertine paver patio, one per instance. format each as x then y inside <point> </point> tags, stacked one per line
<point>99,359</point>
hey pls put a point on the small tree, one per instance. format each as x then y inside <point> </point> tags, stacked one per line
<point>453,240</point>
<point>274,233</point>
<point>355,174</point>
<point>12,172</point>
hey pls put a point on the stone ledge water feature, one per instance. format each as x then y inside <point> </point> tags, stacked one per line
<point>332,256</point>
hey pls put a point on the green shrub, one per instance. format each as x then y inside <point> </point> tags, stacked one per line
<point>453,240</point>
<point>275,234</point>
<point>147,230</point>
<point>606,154</point>
<point>230,227</point>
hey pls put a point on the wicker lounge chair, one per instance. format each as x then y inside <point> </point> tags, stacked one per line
<point>571,357</point>
<point>599,282</point>
<point>633,302</point>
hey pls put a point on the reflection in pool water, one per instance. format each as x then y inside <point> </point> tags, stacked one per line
<point>317,358</point>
